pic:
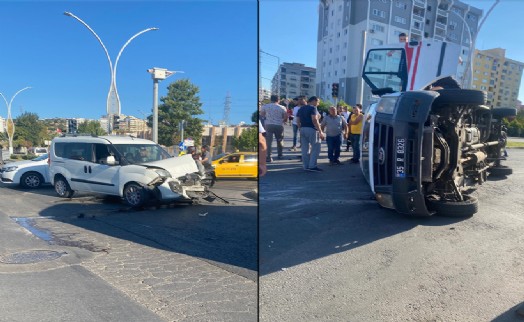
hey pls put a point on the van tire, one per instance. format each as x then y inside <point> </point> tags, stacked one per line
<point>501,112</point>
<point>135,195</point>
<point>62,188</point>
<point>460,97</point>
<point>31,180</point>
<point>446,208</point>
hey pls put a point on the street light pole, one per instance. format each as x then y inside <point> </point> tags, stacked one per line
<point>158,74</point>
<point>278,71</point>
<point>10,123</point>
<point>113,100</point>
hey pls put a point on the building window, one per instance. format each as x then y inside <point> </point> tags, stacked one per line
<point>377,28</point>
<point>376,42</point>
<point>379,13</point>
<point>400,20</point>
<point>400,4</point>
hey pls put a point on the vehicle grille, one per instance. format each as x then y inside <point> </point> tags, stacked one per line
<point>383,154</point>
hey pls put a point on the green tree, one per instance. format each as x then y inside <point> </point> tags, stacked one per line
<point>182,103</point>
<point>91,127</point>
<point>247,141</point>
<point>323,106</point>
<point>29,131</point>
<point>254,117</point>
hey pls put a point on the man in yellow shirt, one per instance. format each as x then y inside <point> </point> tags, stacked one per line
<point>355,125</point>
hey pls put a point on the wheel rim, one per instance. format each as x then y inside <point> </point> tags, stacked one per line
<point>32,181</point>
<point>60,187</point>
<point>133,196</point>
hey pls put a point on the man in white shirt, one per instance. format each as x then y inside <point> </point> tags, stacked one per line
<point>275,115</point>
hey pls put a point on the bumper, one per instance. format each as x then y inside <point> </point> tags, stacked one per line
<point>173,189</point>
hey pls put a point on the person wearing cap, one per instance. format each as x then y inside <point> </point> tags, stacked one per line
<point>311,134</point>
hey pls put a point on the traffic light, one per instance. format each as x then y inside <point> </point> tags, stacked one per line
<point>116,119</point>
<point>72,126</point>
<point>334,89</point>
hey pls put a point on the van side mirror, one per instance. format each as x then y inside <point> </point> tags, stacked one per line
<point>110,160</point>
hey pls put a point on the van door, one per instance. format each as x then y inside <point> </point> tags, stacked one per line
<point>103,178</point>
<point>77,157</point>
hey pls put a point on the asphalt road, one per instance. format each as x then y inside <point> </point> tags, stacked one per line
<point>328,252</point>
<point>172,263</point>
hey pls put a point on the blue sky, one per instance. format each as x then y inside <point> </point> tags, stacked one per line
<point>213,42</point>
<point>288,29</point>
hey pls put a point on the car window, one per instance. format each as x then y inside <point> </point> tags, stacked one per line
<point>74,150</point>
<point>102,151</point>
<point>139,153</point>
<point>233,159</point>
<point>250,158</point>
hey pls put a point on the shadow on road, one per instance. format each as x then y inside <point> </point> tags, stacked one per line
<point>512,315</point>
<point>305,216</point>
<point>223,234</point>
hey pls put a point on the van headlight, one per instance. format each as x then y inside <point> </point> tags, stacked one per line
<point>163,173</point>
<point>11,168</point>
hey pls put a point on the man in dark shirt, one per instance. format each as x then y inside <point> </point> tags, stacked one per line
<point>311,134</point>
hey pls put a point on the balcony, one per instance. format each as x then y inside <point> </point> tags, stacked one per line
<point>443,13</point>
<point>416,16</point>
<point>420,3</point>
<point>440,25</point>
<point>416,32</point>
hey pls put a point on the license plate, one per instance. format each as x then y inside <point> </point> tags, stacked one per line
<point>400,163</point>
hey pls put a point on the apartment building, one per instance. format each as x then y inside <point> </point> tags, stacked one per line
<point>499,76</point>
<point>3,125</point>
<point>348,28</point>
<point>294,80</point>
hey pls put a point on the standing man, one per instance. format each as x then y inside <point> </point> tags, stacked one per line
<point>299,101</point>
<point>355,124</point>
<point>311,134</point>
<point>335,125</point>
<point>205,157</point>
<point>275,115</point>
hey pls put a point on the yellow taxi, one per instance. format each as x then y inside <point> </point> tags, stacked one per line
<point>237,165</point>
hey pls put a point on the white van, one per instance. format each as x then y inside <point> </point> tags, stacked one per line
<point>134,169</point>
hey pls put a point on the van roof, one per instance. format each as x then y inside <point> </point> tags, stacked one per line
<point>113,139</point>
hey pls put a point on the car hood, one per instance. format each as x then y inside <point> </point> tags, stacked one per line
<point>25,163</point>
<point>177,166</point>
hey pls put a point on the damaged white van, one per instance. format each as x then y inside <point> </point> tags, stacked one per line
<point>135,169</point>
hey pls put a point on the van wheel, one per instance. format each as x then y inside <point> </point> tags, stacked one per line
<point>460,97</point>
<point>465,208</point>
<point>135,195</point>
<point>31,180</point>
<point>62,188</point>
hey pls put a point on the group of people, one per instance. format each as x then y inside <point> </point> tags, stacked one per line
<point>307,121</point>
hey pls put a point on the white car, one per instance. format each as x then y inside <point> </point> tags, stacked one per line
<point>28,173</point>
<point>134,169</point>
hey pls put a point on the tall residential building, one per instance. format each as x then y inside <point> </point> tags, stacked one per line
<point>3,125</point>
<point>348,28</point>
<point>295,79</point>
<point>497,75</point>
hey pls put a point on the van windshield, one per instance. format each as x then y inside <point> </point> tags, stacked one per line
<point>141,153</point>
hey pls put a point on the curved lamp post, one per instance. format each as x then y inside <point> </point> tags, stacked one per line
<point>113,100</point>
<point>10,123</point>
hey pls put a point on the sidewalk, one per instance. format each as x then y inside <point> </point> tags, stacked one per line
<point>43,282</point>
